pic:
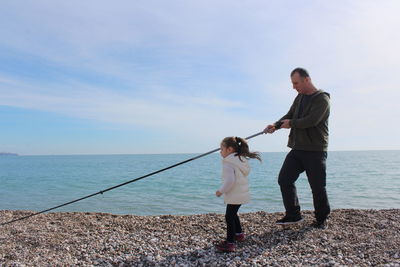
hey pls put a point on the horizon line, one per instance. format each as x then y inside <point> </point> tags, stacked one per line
<point>13,154</point>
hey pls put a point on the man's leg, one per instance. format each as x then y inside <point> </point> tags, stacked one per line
<point>290,171</point>
<point>315,163</point>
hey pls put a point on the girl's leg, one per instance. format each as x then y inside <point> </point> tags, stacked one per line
<point>238,226</point>
<point>231,221</point>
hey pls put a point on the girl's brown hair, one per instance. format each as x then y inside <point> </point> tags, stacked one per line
<point>241,147</point>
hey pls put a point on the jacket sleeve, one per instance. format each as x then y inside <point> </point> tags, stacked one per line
<point>290,113</point>
<point>317,112</point>
<point>228,176</point>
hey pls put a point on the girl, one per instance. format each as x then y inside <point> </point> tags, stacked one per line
<point>235,188</point>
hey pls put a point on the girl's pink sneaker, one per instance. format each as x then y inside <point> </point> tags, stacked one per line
<point>240,237</point>
<point>224,246</point>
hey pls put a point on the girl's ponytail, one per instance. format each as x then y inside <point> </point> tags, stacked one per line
<point>241,147</point>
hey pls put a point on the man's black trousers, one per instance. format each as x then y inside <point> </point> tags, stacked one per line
<point>314,164</point>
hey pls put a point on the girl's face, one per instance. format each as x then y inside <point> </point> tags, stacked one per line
<point>225,151</point>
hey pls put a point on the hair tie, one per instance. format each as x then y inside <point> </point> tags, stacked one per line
<point>239,144</point>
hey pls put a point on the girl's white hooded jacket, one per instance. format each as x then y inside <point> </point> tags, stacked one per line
<point>235,182</point>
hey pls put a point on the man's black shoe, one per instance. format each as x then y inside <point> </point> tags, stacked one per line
<point>320,224</point>
<point>290,220</point>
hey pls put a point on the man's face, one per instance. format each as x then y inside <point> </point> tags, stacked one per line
<point>299,83</point>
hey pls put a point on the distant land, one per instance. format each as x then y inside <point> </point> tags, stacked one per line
<point>7,154</point>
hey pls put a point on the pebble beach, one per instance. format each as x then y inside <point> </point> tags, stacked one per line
<point>353,238</point>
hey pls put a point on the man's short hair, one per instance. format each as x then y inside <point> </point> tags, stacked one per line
<point>302,72</point>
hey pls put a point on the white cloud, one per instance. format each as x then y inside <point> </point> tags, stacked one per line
<point>161,55</point>
<point>169,112</point>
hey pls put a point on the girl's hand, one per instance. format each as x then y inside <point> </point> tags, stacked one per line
<point>218,194</point>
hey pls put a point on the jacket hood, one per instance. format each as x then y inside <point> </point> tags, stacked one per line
<point>240,164</point>
<point>322,92</point>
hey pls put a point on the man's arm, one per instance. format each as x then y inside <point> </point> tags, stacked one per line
<point>279,123</point>
<point>316,114</point>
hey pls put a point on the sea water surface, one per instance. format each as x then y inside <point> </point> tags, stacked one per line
<point>356,179</point>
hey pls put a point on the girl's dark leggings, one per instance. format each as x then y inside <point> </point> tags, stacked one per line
<point>232,222</point>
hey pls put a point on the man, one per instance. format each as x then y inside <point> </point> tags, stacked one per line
<point>307,120</point>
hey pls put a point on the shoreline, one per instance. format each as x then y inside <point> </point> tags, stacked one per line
<point>354,237</point>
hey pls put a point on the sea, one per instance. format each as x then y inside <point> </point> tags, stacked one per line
<point>355,180</point>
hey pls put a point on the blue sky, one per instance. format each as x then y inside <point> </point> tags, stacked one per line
<point>101,77</point>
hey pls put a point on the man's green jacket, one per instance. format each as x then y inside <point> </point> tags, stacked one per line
<point>310,131</point>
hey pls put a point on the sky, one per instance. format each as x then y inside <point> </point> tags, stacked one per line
<point>127,77</point>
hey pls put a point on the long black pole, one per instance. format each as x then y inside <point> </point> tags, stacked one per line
<point>125,183</point>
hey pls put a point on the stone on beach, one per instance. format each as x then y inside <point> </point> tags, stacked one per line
<point>353,238</point>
